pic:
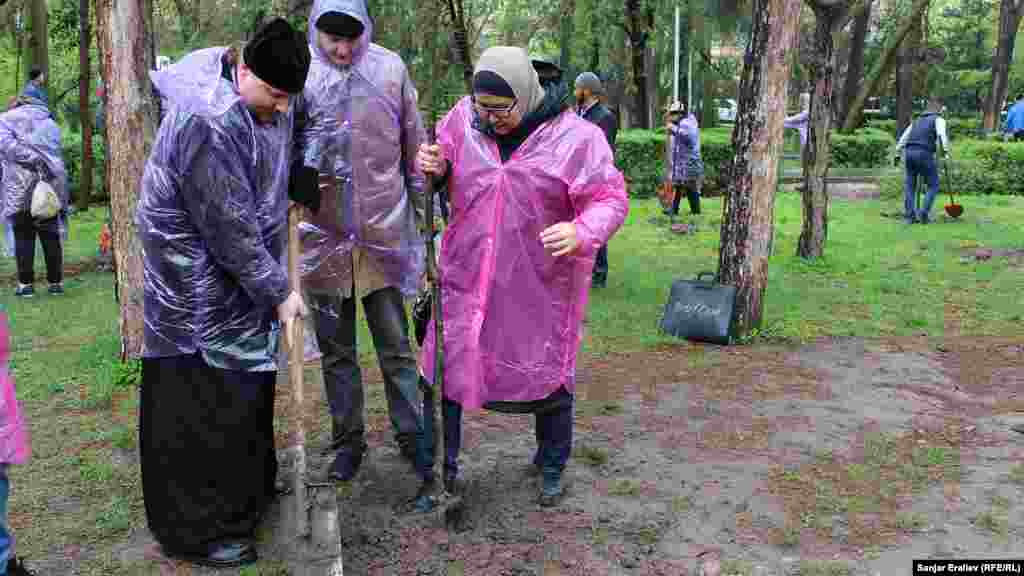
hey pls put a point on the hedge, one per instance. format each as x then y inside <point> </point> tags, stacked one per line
<point>72,143</point>
<point>956,128</point>
<point>641,156</point>
<point>978,167</point>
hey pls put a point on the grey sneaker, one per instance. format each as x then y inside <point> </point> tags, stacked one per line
<point>56,289</point>
<point>25,291</point>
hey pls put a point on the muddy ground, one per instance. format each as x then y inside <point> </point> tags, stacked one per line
<point>690,453</point>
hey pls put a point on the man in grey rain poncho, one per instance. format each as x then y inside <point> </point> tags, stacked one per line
<point>361,132</point>
<point>212,218</point>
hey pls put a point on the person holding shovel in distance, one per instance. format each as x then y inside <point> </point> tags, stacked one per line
<point>918,146</point>
<point>534,195</point>
<point>212,217</point>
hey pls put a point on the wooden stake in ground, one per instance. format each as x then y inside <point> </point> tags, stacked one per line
<point>313,507</point>
<point>748,217</point>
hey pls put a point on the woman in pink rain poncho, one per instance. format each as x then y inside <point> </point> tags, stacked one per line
<point>14,449</point>
<point>534,195</point>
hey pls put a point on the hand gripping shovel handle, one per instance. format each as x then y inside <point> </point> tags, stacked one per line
<point>295,368</point>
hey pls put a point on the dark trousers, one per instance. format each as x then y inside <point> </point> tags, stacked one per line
<point>692,190</point>
<point>206,446</point>
<point>553,431</point>
<point>25,231</point>
<point>919,163</point>
<point>600,274</point>
<point>335,319</point>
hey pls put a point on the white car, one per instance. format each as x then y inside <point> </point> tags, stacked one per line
<point>726,110</point>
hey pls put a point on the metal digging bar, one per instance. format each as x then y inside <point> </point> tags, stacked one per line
<point>313,509</point>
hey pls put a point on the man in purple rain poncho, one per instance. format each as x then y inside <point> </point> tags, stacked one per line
<point>30,151</point>
<point>361,132</point>
<point>212,218</point>
<point>534,195</point>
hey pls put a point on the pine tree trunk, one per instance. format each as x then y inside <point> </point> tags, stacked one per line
<point>1009,20</point>
<point>638,28</point>
<point>816,156</point>
<point>131,125</point>
<point>85,173</point>
<point>37,51</point>
<point>882,68</point>
<point>906,61</point>
<point>748,216</point>
<point>855,63</point>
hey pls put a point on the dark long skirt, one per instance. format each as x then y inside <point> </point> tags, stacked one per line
<point>206,441</point>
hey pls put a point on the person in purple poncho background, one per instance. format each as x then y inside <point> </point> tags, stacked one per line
<point>686,169</point>
<point>360,131</point>
<point>212,220</point>
<point>31,151</point>
<point>534,194</point>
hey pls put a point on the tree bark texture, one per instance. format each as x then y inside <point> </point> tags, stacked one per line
<point>816,154</point>
<point>883,67</point>
<point>748,216</point>
<point>1009,21</point>
<point>84,116</point>
<point>457,12</point>
<point>131,126</point>
<point>639,23</point>
<point>855,63</point>
<point>906,63</point>
<point>37,52</point>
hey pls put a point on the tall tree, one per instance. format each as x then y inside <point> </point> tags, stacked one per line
<point>907,59</point>
<point>829,17</point>
<point>855,61</point>
<point>1010,12</point>
<point>883,67</point>
<point>84,80</point>
<point>748,216</point>
<point>639,23</point>
<point>131,121</point>
<point>37,50</point>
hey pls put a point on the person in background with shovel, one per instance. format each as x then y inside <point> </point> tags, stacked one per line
<point>686,169</point>
<point>535,194</point>
<point>362,133</point>
<point>212,217</point>
<point>918,145</point>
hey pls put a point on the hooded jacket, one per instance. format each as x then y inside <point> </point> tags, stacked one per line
<point>362,131</point>
<point>212,217</point>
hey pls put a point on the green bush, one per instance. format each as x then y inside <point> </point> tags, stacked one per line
<point>865,148</point>
<point>641,156</point>
<point>956,128</point>
<point>72,142</point>
<point>978,167</point>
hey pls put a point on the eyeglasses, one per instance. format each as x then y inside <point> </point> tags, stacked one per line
<point>499,112</point>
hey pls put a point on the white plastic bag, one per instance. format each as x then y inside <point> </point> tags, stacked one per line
<point>45,203</point>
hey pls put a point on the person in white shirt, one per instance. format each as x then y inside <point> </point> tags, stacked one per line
<point>918,144</point>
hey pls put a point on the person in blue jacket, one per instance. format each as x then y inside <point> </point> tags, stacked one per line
<point>1014,124</point>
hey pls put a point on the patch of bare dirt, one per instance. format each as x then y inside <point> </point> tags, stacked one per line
<point>866,452</point>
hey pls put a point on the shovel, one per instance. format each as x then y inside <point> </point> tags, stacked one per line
<point>953,209</point>
<point>313,509</point>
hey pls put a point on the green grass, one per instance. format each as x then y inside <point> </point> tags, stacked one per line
<point>880,277</point>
